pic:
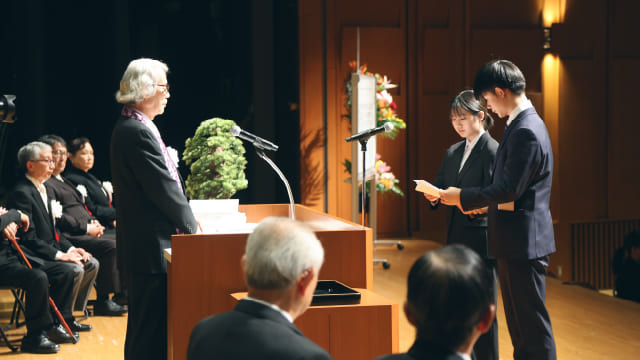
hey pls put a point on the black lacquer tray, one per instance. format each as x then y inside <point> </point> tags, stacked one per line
<point>331,292</point>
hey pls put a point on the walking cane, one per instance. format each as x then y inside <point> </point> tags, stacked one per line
<point>51,303</point>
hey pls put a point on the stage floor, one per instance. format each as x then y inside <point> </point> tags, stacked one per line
<point>587,325</point>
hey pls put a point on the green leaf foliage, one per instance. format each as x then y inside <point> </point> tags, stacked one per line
<point>216,160</point>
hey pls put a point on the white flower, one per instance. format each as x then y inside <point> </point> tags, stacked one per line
<point>56,209</point>
<point>82,190</point>
<point>108,187</point>
<point>173,154</point>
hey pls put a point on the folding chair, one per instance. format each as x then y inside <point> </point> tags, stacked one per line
<point>18,307</point>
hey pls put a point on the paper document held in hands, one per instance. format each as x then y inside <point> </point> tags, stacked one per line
<point>427,188</point>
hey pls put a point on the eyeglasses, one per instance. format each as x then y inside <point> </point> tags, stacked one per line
<point>50,161</point>
<point>164,86</point>
<point>60,153</point>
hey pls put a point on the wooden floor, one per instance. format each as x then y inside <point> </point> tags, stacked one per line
<point>587,325</point>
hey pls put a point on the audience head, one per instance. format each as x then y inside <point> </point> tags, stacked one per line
<point>632,245</point>
<point>36,160</point>
<point>501,74</point>
<point>449,297</point>
<point>59,151</point>
<point>283,256</point>
<point>468,114</point>
<point>81,154</point>
<point>140,80</point>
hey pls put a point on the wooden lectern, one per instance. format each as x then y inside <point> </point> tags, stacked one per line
<point>203,270</point>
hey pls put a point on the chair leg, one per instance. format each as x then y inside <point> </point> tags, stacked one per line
<point>18,307</point>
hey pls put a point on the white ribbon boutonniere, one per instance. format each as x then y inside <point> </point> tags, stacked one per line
<point>108,187</point>
<point>56,209</point>
<point>82,190</point>
<point>173,154</point>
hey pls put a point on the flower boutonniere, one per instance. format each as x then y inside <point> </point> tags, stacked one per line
<point>173,154</point>
<point>82,190</point>
<point>56,209</point>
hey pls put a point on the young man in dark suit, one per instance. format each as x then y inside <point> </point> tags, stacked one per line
<point>42,242</point>
<point>150,205</point>
<point>281,265</point>
<point>450,302</point>
<point>520,239</point>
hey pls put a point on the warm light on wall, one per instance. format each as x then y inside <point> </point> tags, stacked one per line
<point>553,12</point>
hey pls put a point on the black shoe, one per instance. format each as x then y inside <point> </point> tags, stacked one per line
<point>38,344</point>
<point>121,299</point>
<point>108,308</point>
<point>59,335</point>
<point>76,326</point>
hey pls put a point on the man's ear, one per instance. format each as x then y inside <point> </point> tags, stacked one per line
<point>500,93</point>
<point>409,314</point>
<point>242,260</point>
<point>304,280</point>
<point>487,319</point>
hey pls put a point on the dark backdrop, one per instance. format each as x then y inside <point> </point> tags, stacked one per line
<point>231,59</point>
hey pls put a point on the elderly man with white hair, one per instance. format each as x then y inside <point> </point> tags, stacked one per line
<point>281,264</point>
<point>150,205</point>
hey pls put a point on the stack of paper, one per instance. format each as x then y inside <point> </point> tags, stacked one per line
<point>216,216</point>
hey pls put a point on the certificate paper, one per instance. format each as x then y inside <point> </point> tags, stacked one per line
<point>427,188</point>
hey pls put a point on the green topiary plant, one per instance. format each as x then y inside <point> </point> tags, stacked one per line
<point>216,159</point>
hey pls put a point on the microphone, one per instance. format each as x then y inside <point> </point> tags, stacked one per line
<point>368,133</point>
<point>255,140</point>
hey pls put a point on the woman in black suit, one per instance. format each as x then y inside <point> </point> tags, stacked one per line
<point>99,194</point>
<point>469,163</point>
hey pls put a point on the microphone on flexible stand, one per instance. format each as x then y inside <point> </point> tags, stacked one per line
<point>255,140</point>
<point>370,132</point>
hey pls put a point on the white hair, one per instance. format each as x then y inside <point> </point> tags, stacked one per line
<point>278,251</point>
<point>31,152</point>
<point>140,80</point>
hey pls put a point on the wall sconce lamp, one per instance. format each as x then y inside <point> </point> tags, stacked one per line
<point>546,39</point>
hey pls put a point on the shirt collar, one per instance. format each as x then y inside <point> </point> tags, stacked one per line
<point>524,105</point>
<point>475,140</point>
<point>36,183</point>
<point>464,356</point>
<point>273,306</point>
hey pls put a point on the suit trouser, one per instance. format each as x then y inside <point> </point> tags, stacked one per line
<point>36,285</point>
<point>522,283</point>
<point>104,249</point>
<point>147,318</point>
<point>61,277</point>
<point>84,279</point>
<point>486,348</point>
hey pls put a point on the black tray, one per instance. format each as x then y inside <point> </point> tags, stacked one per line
<point>331,292</point>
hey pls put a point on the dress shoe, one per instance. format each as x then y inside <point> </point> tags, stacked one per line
<point>121,299</point>
<point>108,308</point>
<point>59,335</point>
<point>38,344</point>
<point>76,326</point>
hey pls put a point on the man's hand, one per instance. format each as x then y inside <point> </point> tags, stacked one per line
<point>3,210</point>
<point>9,232</point>
<point>450,196</point>
<point>84,255</point>
<point>72,257</point>
<point>95,229</point>
<point>432,199</point>
<point>24,221</point>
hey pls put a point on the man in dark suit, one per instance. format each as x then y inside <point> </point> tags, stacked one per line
<point>521,239</point>
<point>42,336</point>
<point>281,264</point>
<point>150,205</point>
<point>42,242</point>
<point>85,231</point>
<point>450,302</point>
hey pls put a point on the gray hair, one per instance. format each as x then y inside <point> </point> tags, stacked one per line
<point>139,80</point>
<point>31,152</point>
<point>278,251</point>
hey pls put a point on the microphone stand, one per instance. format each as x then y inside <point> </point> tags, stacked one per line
<point>363,147</point>
<point>260,152</point>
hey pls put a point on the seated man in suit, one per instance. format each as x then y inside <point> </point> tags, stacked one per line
<point>42,335</point>
<point>85,231</point>
<point>450,303</point>
<point>281,264</point>
<point>41,239</point>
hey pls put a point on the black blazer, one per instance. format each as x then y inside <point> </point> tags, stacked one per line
<point>75,216</point>
<point>40,240</point>
<point>522,173</point>
<point>251,331</point>
<point>149,204</point>
<point>423,350</point>
<point>477,171</point>
<point>97,200</point>
<point>7,254</point>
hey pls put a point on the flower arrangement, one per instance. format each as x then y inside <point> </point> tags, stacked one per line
<point>384,179</point>
<point>385,106</point>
